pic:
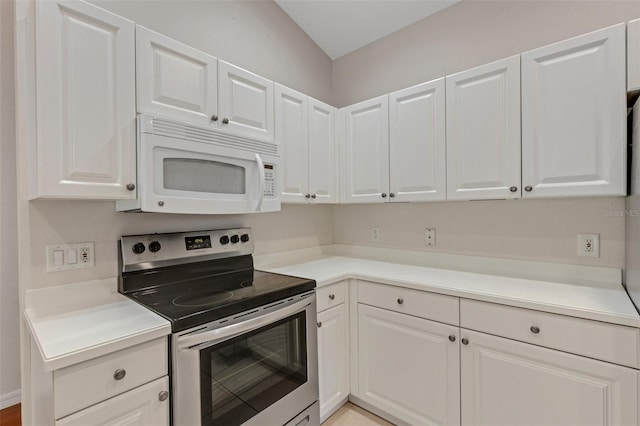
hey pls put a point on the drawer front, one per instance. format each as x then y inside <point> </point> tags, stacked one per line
<point>89,382</point>
<point>433,306</point>
<point>599,340</point>
<point>331,295</point>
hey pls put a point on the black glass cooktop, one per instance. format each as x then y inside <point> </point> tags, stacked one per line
<point>192,295</point>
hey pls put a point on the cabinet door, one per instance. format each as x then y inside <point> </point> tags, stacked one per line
<point>85,102</point>
<point>175,80</point>
<point>246,100</point>
<point>633,55</point>
<point>408,366</point>
<point>332,359</point>
<point>366,164</point>
<point>505,382</point>
<point>141,407</point>
<point>417,150</point>
<point>483,132</point>
<point>292,134</point>
<point>323,159</point>
<point>574,117</point>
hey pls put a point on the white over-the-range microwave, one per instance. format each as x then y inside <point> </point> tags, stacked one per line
<point>186,168</point>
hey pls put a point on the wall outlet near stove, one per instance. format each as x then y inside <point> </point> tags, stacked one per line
<point>430,237</point>
<point>63,257</point>
<point>589,245</point>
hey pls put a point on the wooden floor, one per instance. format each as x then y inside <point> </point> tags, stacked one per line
<point>352,415</point>
<point>10,416</point>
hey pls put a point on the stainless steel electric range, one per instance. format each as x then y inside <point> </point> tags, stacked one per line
<point>243,343</point>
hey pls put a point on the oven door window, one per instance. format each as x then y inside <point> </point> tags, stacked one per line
<point>212,177</point>
<point>241,377</point>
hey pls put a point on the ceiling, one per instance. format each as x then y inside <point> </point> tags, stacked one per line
<point>342,26</point>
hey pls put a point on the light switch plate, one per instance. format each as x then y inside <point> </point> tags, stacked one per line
<point>82,253</point>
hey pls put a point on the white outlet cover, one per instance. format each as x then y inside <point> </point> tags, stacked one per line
<point>589,245</point>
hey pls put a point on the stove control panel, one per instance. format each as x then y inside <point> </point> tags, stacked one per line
<point>183,247</point>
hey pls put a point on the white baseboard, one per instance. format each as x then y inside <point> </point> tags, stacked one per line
<point>9,399</point>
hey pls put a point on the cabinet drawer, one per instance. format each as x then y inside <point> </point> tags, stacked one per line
<point>331,295</point>
<point>89,382</point>
<point>423,304</point>
<point>599,340</point>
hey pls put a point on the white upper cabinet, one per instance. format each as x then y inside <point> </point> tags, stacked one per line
<point>292,134</point>
<point>305,130</point>
<point>245,103</point>
<point>574,117</point>
<point>417,150</point>
<point>366,150</point>
<point>633,55</point>
<point>483,132</point>
<point>174,79</point>
<point>85,102</point>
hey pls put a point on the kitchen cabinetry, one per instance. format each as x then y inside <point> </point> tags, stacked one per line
<point>417,146</point>
<point>573,117</point>
<point>408,366</point>
<point>633,55</point>
<point>84,112</point>
<point>333,355</point>
<point>483,132</point>
<point>507,383</point>
<point>305,131</point>
<point>175,80</point>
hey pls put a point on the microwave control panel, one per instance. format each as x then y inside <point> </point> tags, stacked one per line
<point>270,180</point>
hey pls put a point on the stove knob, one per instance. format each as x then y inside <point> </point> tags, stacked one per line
<point>235,239</point>
<point>138,248</point>
<point>244,238</point>
<point>154,246</point>
<point>224,240</point>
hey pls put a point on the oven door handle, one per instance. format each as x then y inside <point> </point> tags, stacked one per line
<point>211,337</point>
<point>262,183</point>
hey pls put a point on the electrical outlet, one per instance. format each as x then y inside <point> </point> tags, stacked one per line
<point>375,234</point>
<point>589,245</point>
<point>430,236</point>
<point>62,257</point>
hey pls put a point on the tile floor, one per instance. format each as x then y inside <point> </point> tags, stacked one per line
<point>352,415</point>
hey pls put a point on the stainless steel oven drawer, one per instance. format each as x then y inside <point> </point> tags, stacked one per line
<point>309,417</point>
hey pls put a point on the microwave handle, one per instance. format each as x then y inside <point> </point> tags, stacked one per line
<point>262,178</point>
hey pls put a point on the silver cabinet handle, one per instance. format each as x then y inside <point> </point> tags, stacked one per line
<point>225,121</point>
<point>528,188</point>
<point>307,195</point>
<point>332,296</point>
<point>452,337</point>
<point>119,374</point>
<point>384,195</point>
<point>161,203</point>
<point>162,396</point>
<point>391,194</point>
<point>400,300</point>
<point>313,195</point>
<point>513,189</point>
<point>304,421</point>
<point>214,117</point>
<point>131,186</point>
<point>465,341</point>
<point>534,329</point>
<point>319,323</point>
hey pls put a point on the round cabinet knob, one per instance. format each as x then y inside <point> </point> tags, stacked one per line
<point>162,396</point>
<point>138,248</point>
<point>225,121</point>
<point>224,239</point>
<point>332,296</point>
<point>307,195</point>
<point>244,238</point>
<point>528,188</point>
<point>534,329</point>
<point>214,117</point>
<point>161,203</point>
<point>452,337</point>
<point>319,324</point>
<point>131,186</point>
<point>119,374</point>
<point>384,195</point>
<point>313,195</point>
<point>400,300</point>
<point>465,341</point>
<point>513,189</point>
<point>391,194</point>
<point>154,246</point>
<point>235,239</point>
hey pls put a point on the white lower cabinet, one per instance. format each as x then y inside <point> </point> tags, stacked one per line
<point>333,347</point>
<point>409,367</point>
<point>504,382</point>
<point>146,405</point>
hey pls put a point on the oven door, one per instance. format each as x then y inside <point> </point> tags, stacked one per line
<point>261,369</point>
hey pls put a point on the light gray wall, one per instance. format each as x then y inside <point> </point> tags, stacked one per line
<point>9,310</point>
<point>466,35</point>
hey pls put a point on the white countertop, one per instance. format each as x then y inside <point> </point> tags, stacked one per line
<point>77,322</point>
<point>607,303</point>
